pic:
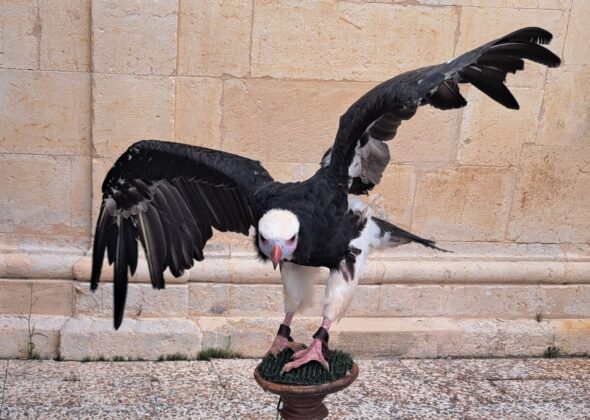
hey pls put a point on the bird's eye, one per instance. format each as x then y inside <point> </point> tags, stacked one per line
<point>262,238</point>
<point>293,238</point>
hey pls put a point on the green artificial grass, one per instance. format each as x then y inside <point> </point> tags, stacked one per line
<point>310,374</point>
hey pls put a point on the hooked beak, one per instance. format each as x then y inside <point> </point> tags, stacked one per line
<point>275,255</point>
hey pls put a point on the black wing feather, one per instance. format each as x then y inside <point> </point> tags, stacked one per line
<point>484,67</point>
<point>169,196</point>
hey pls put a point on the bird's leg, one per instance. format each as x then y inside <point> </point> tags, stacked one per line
<point>318,350</point>
<point>283,339</point>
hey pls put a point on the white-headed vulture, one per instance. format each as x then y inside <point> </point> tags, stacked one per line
<point>170,196</point>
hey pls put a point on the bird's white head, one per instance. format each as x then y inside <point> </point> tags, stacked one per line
<point>278,232</point>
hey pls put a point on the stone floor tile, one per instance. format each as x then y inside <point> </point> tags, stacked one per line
<point>117,390</point>
<point>499,411</point>
<point>189,389</point>
<point>40,370</point>
<point>545,390</point>
<point>484,369</point>
<point>561,410</point>
<point>39,412</point>
<point>248,400</point>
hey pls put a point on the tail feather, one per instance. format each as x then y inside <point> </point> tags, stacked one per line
<point>398,236</point>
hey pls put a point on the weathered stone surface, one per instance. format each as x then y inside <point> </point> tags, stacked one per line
<point>46,204</point>
<point>65,35</point>
<point>360,41</point>
<point>577,50</point>
<point>128,108</point>
<point>274,125</point>
<point>148,339</point>
<point>208,299</point>
<point>21,34</point>
<point>143,301</point>
<point>463,204</point>
<point>214,38</point>
<point>14,335</point>
<point>28,263</point>
<point>82,269</point>
<point>551,199</point>
<point>491,134</point>
<point>402,337</point>
<point>197,118</point>
<point>393,198</point>
<point>48,297</point>
<point>522,4</point>
<point>44,112</point>
<point>566,106</point>
<point>430,136</point>
<point>134,37</point>
<point>483,24</point>
<point>290,171</point>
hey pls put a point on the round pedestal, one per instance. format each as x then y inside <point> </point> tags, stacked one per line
<point>306,401</point>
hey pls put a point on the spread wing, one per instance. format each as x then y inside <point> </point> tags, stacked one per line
<point>169,196</point>
<point>359,152</point>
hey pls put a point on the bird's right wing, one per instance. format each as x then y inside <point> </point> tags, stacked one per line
<point>359,152</point>
<point>169,196</point>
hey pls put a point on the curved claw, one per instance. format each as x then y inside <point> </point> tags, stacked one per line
<point>302,357</point>
<point>282,343</point>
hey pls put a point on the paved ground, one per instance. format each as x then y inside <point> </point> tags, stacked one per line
<point>225,389</point>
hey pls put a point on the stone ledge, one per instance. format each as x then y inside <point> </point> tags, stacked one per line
<point>148,339</point>
<point>408,337</point>
<point>14,335</point>
<point>469,263</point>
<point>78,338</point>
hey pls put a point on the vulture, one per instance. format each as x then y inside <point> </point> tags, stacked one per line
<point>170,196</point>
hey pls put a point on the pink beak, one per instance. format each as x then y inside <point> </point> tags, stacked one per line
<point>275,255</point>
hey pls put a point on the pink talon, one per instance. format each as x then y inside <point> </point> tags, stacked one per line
<point>302,357</point>
<point>282,343</point>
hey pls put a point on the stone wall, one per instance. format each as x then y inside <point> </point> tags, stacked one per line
<point>508,192</point>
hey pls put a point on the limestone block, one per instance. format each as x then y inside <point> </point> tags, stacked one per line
<point>45,112</point>
<point>198,111</point>
<point>274,125</point>
<point>82,269</point>
<point>551,199</point>
<point>259,299</point>
<point>14,335</point>
<point>208,299</point>
<point>463,204</point>
<point>214,37</point>
<point>65,35</point>
<point>253,336</point>
<point>566,106</point>
<point>565,301</point>
<point>148,339</point>
<point>359,41</point>
<point>21,35</point>
<point>47,204</point>
<point>393,198</point>
<point>521,4</point>
<point>430,136</point>
<point>143,301</point>
<point>134,37</point>
<point>291,171</point>
<point>573,335</point>
<point>491,134</point>
<point>483,24</point>
<point>577,50</point>
<point>128,108</point>
<point>49,297</point>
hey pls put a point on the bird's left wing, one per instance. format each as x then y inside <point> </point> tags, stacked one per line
<point>359,151</point>
<point>169,196</point>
